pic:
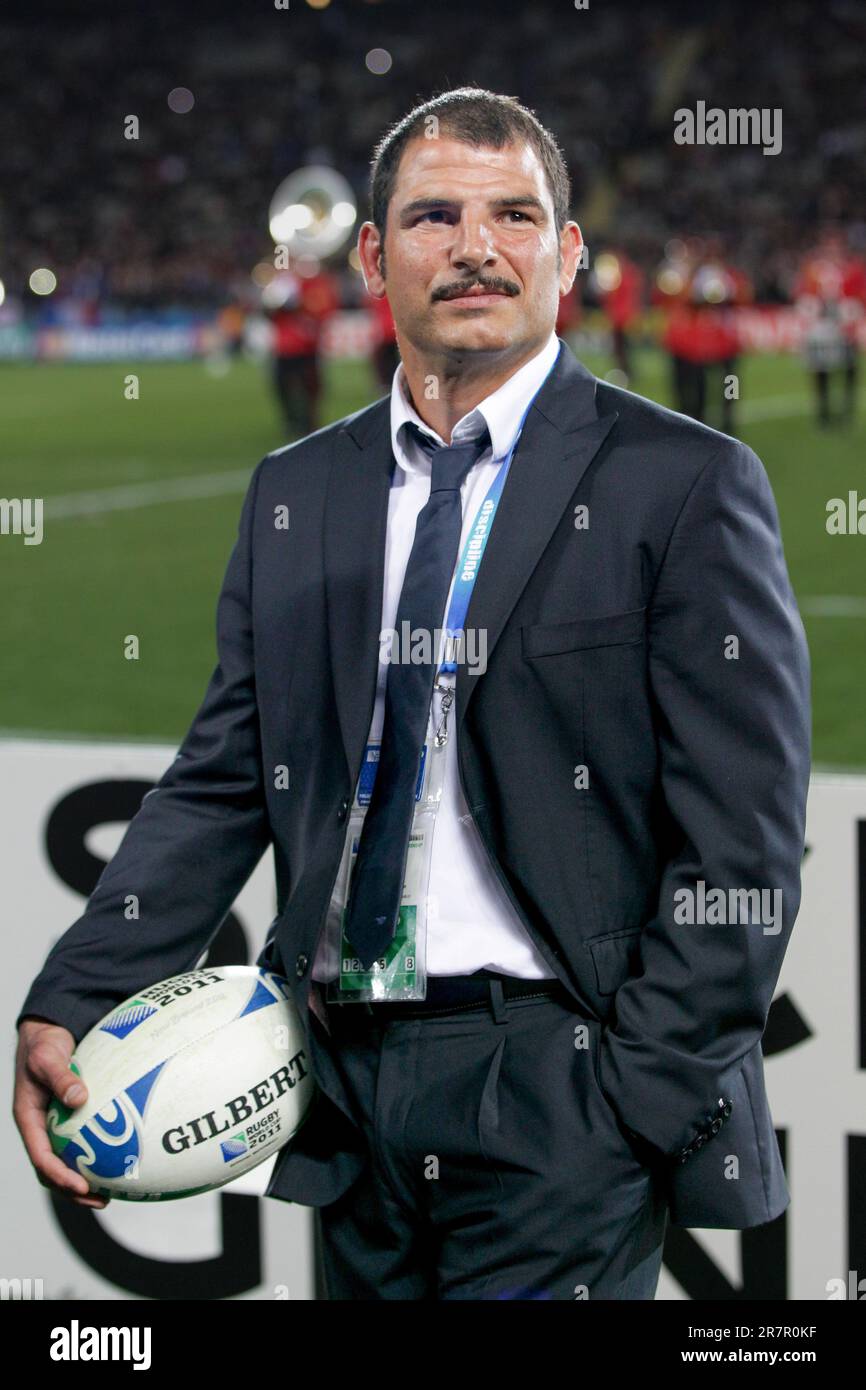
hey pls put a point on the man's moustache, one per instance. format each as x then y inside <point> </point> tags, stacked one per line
<point>455,291</point>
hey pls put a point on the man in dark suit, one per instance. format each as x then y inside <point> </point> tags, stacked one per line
<point>615,863</point>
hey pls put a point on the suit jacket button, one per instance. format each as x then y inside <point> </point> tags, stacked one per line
<point>728,1108</point>
<point>716,1126</point>
<point>301,966</point>
<point>343,811</point>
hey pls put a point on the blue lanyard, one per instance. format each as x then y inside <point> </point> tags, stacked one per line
<point>469,562</point>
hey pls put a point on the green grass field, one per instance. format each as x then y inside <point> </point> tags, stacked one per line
<point>131,563</point>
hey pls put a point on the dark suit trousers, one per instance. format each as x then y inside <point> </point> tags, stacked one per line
<point>496,1168</point>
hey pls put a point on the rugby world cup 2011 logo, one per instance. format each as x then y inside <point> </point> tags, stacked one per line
<point>108,1146</point>
<point>123,1021</point>
<point>233,1148</point>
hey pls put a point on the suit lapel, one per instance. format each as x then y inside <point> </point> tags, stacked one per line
<point>356,517</point>
<point>562,434</point>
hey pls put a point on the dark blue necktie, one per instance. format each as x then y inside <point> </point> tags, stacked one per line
<point>376,887</point>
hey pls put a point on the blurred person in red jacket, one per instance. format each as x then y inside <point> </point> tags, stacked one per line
<point>298,307</point>
<point>619,285</point>
<point>716,289</point>
<point>702,333</point>
<point>830,292</point>
<point>670,293</point>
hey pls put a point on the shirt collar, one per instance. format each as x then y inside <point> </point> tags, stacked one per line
<point>501,411</point>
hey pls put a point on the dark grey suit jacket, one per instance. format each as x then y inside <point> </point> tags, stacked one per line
<point>608,646</point>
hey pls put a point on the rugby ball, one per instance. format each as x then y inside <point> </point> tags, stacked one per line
<point>191,1082</point>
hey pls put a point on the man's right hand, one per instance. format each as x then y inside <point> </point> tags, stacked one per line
<point>42,1073</point>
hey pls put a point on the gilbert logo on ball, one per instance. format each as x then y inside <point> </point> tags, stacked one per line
<point>191,1082</point>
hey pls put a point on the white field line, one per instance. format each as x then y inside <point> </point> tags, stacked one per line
<point>834,606</point>
<point>774,408</point>
<point>131,496</point>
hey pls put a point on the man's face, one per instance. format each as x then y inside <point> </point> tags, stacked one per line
<point>473,263</point>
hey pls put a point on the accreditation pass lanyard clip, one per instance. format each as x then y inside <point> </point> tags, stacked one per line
<point>464,580</point>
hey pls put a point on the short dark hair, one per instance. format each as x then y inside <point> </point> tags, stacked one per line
<point>476,117</point>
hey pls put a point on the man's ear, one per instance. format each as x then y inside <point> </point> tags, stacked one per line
<point>570,247</point>
<point>371,254</point>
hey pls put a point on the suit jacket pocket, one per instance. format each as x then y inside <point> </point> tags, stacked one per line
<point>613,630</point>
<point>613,957</point>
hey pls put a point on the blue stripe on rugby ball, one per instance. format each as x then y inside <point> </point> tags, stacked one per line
<point>261,998</point>
<point>112,1139</point>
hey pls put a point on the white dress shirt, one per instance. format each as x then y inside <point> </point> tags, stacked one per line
<point>471,923</point>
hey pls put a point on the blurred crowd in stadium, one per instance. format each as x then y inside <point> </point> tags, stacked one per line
<point>175,221</point>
